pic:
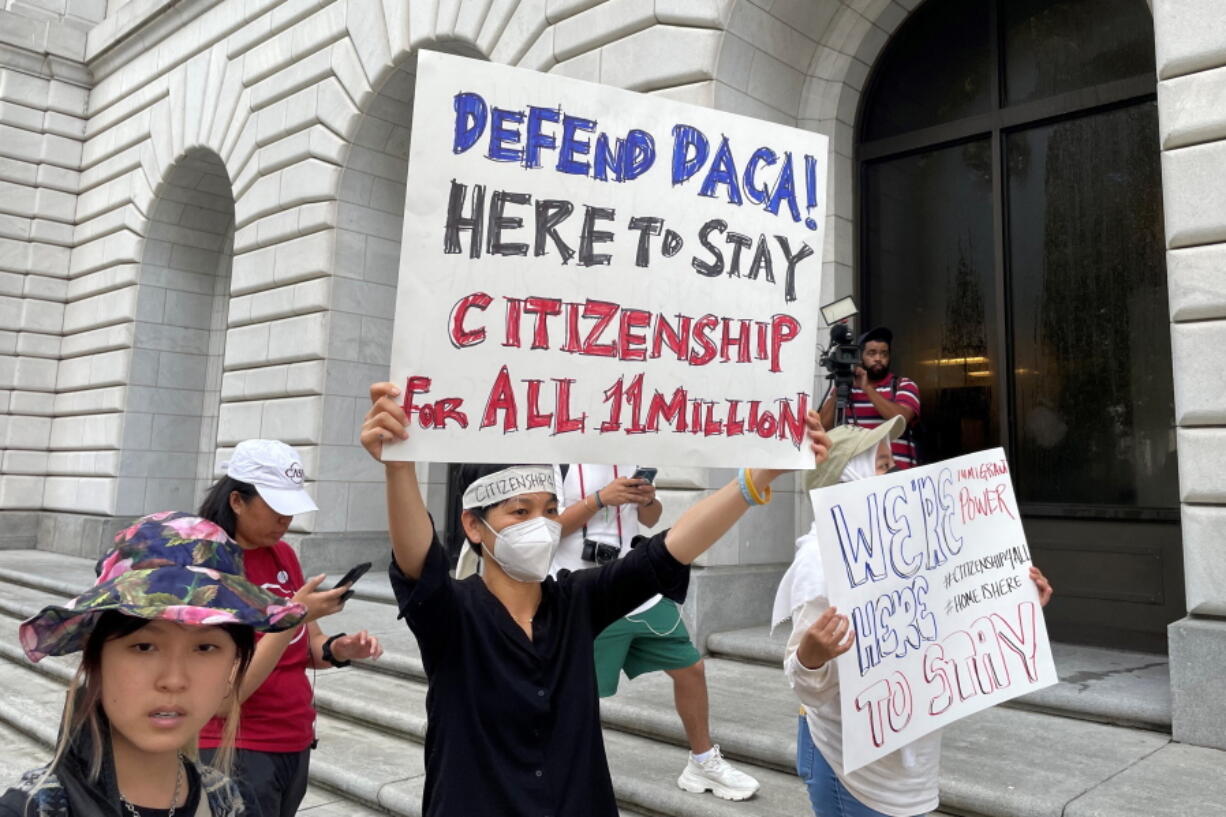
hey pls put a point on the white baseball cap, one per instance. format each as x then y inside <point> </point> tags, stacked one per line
<point>275,470</point>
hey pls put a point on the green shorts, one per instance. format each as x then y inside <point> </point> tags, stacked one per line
<point>655,639</point>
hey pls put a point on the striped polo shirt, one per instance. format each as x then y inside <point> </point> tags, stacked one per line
<point>864,414</point>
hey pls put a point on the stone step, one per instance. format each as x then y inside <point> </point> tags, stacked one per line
<point>739,722</point>
<point>1110,686</point>
<point>385,768</point>
<point>997,763</point>
<point>1006,757</point>
<point>31,747</point>
<point>647,709</point>
<point>20,752</point>
<point>360,732</point>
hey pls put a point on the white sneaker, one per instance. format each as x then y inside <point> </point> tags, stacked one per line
<point>719,776</point>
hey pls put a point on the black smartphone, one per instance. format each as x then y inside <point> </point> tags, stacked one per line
<point>351,578</point>
<point>648,474</point>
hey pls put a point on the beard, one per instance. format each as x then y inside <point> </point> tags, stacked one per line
<point>878,373</point>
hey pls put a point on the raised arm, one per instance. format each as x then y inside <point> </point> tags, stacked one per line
<point>408,524</point>
<point>710,518</point>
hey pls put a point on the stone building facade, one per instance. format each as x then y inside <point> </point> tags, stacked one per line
<point>200,215</point>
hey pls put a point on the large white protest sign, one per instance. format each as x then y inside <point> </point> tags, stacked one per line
<point>932,567</point>
<point>589,274</point>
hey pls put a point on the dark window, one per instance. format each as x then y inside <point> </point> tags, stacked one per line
<point>1091,338</point>
<point>922,86</point>
<point>1011,233</point>
<point>931,213</point>
<point>1060,197</point>
<point>1054,46</point>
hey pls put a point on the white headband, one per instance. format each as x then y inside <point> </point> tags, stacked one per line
<point>502,485</point>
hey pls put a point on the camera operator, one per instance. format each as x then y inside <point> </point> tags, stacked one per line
<point>602,508</point>
<point>878,394</point>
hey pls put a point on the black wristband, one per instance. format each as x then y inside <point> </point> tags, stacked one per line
<point>326,651</point>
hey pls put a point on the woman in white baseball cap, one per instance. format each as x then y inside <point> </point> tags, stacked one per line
<point>254,503</point>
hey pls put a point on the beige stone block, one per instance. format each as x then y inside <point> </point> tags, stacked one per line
<point>1201,477</point>
<point>772,35</point>
<point>1192,108</point>
<point>659,56</point>
<point>602,23</point>
<point>1200,391</point>
<point>295,420</point>
<point>522,29</point>
<point>1204,555</point>
<point>1197,283</point>
<point>21,492</point>
<point>1187,36</point>
<point>1194,200</point>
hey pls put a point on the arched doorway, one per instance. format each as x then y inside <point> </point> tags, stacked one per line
<point>1011,233</point>
<point>170,424</point>
<point>370,216</point>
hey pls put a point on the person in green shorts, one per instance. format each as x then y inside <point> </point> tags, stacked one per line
<point>603,508</point>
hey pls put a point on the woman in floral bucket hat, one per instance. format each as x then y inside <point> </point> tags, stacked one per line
<point>166,634</point>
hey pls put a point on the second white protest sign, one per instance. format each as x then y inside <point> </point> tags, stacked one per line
<point>931,565</point>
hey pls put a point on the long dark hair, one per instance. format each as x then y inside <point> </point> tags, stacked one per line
<point>83,703</point>
<point>216,505</point>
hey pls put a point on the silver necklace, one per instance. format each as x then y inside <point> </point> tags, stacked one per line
<point>174,798</point>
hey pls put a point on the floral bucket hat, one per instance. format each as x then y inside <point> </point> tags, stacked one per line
<point>168,565</point>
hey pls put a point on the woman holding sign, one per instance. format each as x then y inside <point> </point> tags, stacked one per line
<point>903,783</point>
<point>514,720</point>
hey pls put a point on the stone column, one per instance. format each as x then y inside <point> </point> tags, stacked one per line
<point>43,93</point>
<point>1191,60</point>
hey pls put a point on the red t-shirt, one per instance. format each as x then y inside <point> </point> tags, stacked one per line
<point>279,716</point>
<point>863,413</point>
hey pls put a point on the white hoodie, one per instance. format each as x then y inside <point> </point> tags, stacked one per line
<point>901,784</point>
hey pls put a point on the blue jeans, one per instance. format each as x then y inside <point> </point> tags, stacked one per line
<point>827,794</point>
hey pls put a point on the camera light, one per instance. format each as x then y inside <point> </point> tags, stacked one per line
<point>839,310</point>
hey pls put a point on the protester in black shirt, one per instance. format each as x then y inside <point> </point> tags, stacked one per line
<point>513,714</point>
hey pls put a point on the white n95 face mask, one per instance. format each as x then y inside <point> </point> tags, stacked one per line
<point>525,550</point>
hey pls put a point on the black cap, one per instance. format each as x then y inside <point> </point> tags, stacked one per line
<point>878,333</point>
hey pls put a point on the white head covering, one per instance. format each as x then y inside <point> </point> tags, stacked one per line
<point>507,483</point>
<point>861,466</point>
<point>497,487</point>
<point>805,579</point>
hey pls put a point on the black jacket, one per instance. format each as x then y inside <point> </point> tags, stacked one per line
<point>68,791</point>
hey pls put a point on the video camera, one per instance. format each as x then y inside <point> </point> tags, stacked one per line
<point>841,355</point>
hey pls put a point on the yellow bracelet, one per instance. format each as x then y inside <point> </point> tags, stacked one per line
<point>761,497</point>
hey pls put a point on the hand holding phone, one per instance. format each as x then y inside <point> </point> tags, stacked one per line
<point>351,578</point>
